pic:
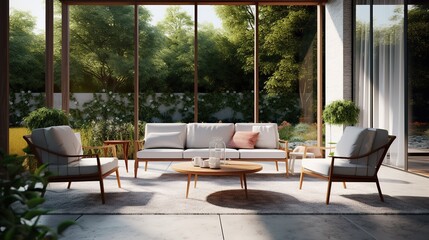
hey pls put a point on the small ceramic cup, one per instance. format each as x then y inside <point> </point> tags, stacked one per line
<point>214,162</point>
<point>204,163</point>
<point>196,161</point>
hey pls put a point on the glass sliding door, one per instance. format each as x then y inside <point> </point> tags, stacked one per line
<point>418,87</point>
<point>363,61</point>
<point>391,76</point>
<point>225,63</point>
<point>288,70</point>
<point>388,75</point>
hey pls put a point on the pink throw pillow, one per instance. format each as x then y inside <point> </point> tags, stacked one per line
<point>243,139</point>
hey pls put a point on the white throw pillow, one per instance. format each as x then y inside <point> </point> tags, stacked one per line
<point>62,139</point>
<point>267,136</point>
<point>164,140</point>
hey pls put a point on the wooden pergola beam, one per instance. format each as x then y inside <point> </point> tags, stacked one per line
<point>199,2</point>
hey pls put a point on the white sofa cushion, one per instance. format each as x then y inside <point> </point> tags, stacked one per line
<point>267,136</point>
<point>59,139</point>
<point>168,128</point>
<point>341,167</point>
<point>164,140</point>
<point>262,153</point>
<point>205,152</point>
<point>38,138</point>
<point>381,138</point>
<point>160,153</point>
<point>84,166</point>
<point>355,141</point>
<point>199,135</point>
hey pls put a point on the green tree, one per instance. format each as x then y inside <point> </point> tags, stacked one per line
<point>177,52</point>
<point>152,68</point>
<point>218,69</point>
<point>286,53</point>
<point>418,50</point>
<point>102,47</point>
<point>26,54</point>
<point>238,22</point>
<point>287,41</point>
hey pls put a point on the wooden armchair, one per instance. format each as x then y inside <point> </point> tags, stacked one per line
<point>61,149</point>
<point>357,158</point>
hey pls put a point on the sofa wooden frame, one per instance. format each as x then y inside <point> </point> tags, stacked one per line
<point>139,145</point>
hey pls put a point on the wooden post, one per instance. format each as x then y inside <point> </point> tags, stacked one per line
<point>65,58</point>
<point>4,76</point>
<point>196,63</point>
<point>49,54</point>
<point>256,66</point>
<point>136,72</point>
<point>320,16</point>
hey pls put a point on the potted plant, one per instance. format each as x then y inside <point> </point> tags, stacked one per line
<point>41,118</point>
<point>46,117</point>
<point>341,112</point>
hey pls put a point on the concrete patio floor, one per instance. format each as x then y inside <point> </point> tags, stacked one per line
<point>245,226</point>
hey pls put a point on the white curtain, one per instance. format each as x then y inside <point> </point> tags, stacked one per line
<point>383,99</point>
<point>362,86</point>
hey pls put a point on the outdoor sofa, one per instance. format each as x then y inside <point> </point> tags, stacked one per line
<point>182,142</point>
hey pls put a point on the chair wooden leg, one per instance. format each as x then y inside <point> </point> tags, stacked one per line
<point>117,178</point>
<point>301,178</point>
<point>344,185</point>
<point>68,186</point>
<point>379,190</point>
<point>277,166</point>
<point>287,168</point>
<point>328,194</point>
<point>102,191</point>
<point>44,190</point>
<point>136,167</point>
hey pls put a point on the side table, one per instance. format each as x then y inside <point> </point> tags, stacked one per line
<point>125,146</point>
<point>295,155</point>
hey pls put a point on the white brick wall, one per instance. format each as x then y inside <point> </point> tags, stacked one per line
<point>339,49</point>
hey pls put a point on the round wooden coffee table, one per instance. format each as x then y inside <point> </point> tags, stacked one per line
<point>238,168</point>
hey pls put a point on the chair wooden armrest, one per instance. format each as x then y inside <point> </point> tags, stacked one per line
<point>34,148</point>
<point>385,147</point>
<point>138,145</point>
<point>103,148</point>
<point>285,143</point>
